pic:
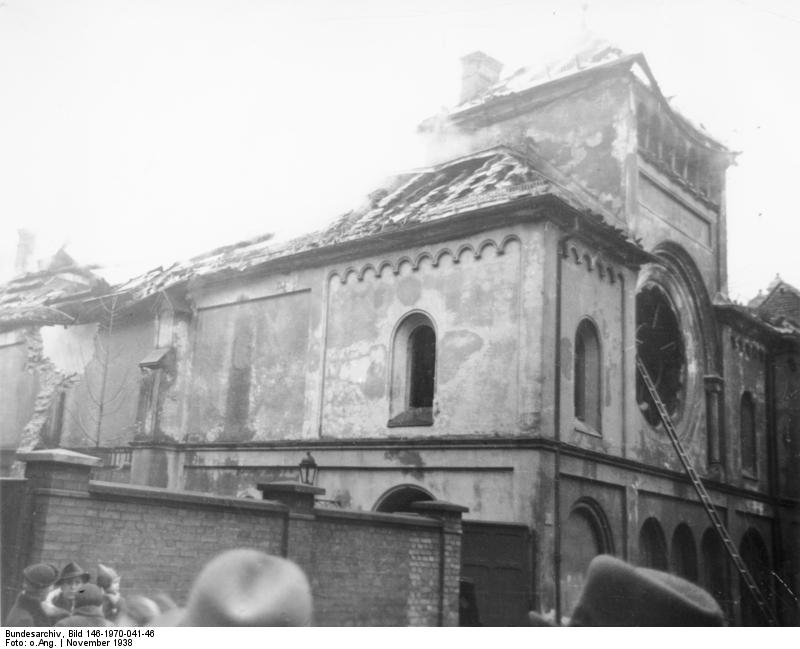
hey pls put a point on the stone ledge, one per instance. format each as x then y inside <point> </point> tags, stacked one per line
<point>119,491</point>
<point>60,456</point>
<point>378,518</point>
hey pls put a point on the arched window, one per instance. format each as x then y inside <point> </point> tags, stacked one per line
<point>754,553</point>
<point>400,498</point>
<point>413,372</point>
<point>747,433</point>
<point>684,553</point>
<point>587,375</point>
<point>714,563</point>
<point>653,546</point>
<point>421,366</point>
<point>585,534</point>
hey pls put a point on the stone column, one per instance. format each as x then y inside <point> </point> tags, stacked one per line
<point>713,386</point>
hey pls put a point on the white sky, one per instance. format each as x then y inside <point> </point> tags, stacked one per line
<point>143,132</point>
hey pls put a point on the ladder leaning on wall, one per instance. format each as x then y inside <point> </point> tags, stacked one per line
<point>716,521</point>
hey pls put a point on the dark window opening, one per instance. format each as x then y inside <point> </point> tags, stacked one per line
<point>660,347</point>
<point>400,499</point>
<point>747,431</point>
<point>587,375</point>
<point>653,546</point>
<point>754,553</point>
<point>684,553</point>
<point>422,367</point>
<point>714,568</point>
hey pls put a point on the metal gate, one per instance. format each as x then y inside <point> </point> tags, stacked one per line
<point>497,558</point>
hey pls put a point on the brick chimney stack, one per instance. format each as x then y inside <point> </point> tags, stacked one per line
<point>479,71</point>
<point>26,242</point>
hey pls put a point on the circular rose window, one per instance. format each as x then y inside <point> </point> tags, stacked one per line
<point>660,346</point>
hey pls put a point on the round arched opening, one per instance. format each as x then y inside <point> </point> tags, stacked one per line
<point>584,535</point>
<point>400,498</point>
<point>661,348</point>
<point>653,546</point>
<point>754,553</point>
<point>684,553</point>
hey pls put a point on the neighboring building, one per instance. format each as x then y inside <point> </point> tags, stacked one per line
<point>470,334</point>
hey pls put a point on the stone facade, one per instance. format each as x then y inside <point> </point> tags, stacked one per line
<point>569,225</point>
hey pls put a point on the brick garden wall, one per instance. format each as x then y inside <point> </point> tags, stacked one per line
<point>364,569</point>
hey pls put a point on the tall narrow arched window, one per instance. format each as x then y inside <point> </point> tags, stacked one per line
<point>653,545</point>
<point>747,432</point>
<point>421,366</point>
<point>587,389</point>
<point>413,372</point>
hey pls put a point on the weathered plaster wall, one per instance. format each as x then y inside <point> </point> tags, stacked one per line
<point>101,356</point>
<point>593,288</point>
<point>664,212</point>
<point>745,370</point>
<point>787,424</point>
<point>471,292</point>
<point>583,133</point>
<point>249,369</point>
<point>18,391</point>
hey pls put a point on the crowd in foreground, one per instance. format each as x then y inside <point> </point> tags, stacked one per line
<point>239,587</point>
<point>246,587</point>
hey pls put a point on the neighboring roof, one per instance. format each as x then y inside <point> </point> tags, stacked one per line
<point>782,301</point>
<point>39,298</point>
<point>488,178</point>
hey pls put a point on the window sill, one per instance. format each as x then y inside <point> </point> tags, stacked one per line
<point>412,417</point>
<point>583,427</point>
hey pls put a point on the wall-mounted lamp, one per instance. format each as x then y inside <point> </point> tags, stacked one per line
<point>307,469</point>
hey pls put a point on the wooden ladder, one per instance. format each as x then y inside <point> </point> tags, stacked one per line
<point>716,521</point>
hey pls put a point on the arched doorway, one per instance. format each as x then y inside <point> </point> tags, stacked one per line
<point>653,545</point>
<point>585,534</point>
<point>683,556</point>
<point>400,497</point>
<point>755,556</point>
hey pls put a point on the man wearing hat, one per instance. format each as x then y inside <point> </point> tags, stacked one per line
<point>245,587</point>
<point>37,580</point>
<point>619,594</point>
<point>88,608</point>
<point>72,577</point>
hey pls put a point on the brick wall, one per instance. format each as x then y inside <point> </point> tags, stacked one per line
<point>364,569</point>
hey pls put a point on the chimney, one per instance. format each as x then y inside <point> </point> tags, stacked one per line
<point>26,242</point>
<point>479,71</point>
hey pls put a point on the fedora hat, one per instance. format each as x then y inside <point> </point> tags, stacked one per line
<point>72,570</point>
<point>245,587</point>
<point>618,594</point>
<point>40,575</point>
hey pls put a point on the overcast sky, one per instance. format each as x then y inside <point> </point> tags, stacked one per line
<point>139,133</point>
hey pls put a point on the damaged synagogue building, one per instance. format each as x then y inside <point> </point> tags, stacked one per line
<point>469,334</point>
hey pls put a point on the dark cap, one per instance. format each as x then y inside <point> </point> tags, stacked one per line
<point>40,575</point>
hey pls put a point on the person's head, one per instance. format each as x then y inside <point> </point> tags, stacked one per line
<point>618,594</point>
<point>108,579</point>
<point>246,588</point>
<point>38,580</point>
<point>72,577</point>
<point>90,598</point>
<point>138,610</point>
